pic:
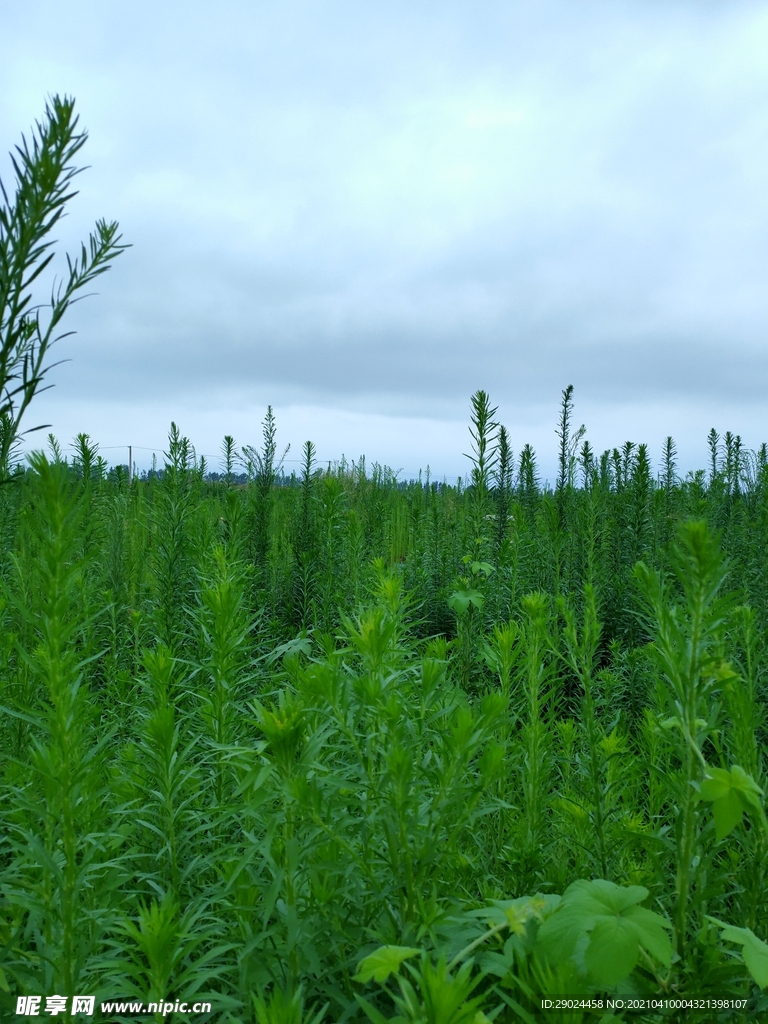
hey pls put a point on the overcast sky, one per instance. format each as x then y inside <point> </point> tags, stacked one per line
<point>362,212</point>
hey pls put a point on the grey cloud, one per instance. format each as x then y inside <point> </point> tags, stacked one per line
<point>384,207</point>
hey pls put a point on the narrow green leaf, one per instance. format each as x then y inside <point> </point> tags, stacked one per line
<point>370,1011</point>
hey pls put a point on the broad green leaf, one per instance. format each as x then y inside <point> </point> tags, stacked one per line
<point>756,959</point>
<point>755,951</point>
<point>616,926</point>
<point>727,812</point>
<point>726,806</point>
<point>716,785</point>
<point>299,645</point>
<point>748,789</point>
<point>613,950</point>
<point>384,961</point>
<point>560,933</point>
<point>600,896</point>
<point>652,933</point>
<point>671,723</point>
<point>460,600</point>
<point>720,782</point>
<point>731,793</point>
<point>675,723</point>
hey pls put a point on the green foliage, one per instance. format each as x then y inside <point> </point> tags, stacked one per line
<point>461,600</point>
<point>281,1008</point>
<point>329,747</point>
<point>385,961</point>
<point>433,996</point>
<point>484,458</point>
<point>755,951</point>
<point>44,171</point>
<point>731,793</point>
<point>616,929</point>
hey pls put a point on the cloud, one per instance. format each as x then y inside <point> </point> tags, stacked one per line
<point>379,209</point>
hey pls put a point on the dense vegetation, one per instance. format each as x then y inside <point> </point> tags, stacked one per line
<point>344,747</point>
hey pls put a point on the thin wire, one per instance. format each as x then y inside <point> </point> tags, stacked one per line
<point>161,451</point>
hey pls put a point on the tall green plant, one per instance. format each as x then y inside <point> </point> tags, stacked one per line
<point>55,884</point>
<point>503,481</point>
<point>581,650</point>
<point>44,171</point>
<point>568,442</point>
<point>484,456</point>
<point>229,455</point>
<point>534,761</point>
<point>172,513</point>
<point>689,632</point>
<point>263,466</point>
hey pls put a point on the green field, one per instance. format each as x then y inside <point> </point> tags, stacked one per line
<point>255,731</point>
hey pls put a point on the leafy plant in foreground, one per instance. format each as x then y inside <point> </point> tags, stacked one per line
<point>44,174</point>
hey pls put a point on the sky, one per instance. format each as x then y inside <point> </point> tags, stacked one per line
<point>361,213</point>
